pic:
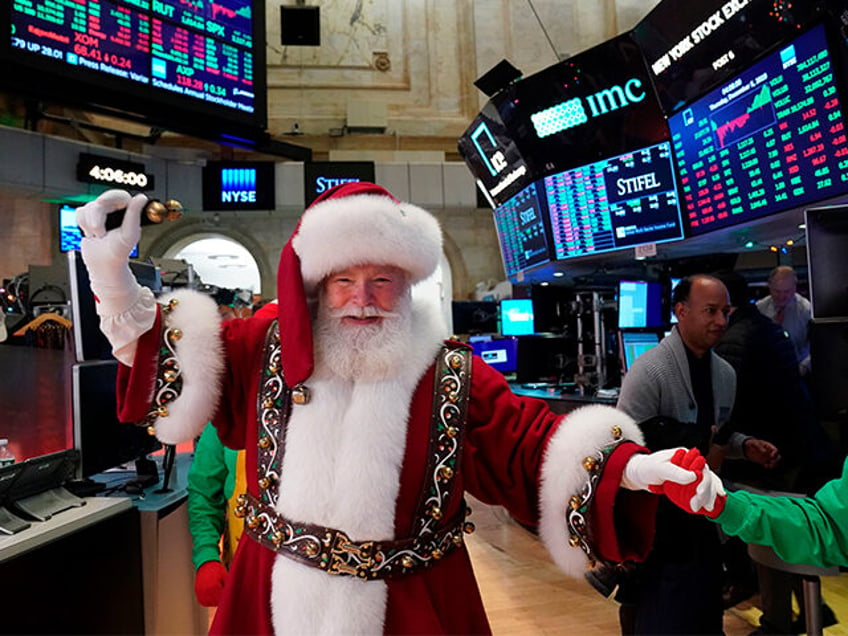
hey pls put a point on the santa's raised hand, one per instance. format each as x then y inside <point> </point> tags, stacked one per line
<point>705,495</point>
<point>106,253</point>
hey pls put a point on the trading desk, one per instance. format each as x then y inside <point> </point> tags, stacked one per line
<point>560,399</point>
<point>79,572</point>
<point>117,565</point>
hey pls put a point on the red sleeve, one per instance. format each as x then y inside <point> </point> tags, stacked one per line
<point>136,384</point>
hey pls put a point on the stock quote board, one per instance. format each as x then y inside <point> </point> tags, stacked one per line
<point>619,202</point>
<point>771,139</point>
<point>188,57</point>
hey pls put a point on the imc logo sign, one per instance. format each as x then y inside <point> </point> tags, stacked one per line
<point>239,185</point>
<point>578,111</point>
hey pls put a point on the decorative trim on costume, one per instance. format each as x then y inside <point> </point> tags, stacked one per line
<point>332,550</point>
<point>571,473</point>
<point>187,383</point>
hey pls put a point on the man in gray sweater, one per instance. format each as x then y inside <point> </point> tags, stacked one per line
<point>682,393</point>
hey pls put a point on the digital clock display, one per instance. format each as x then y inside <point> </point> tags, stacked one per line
<point>109,171</point>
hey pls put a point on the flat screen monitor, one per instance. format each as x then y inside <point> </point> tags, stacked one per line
<point>517,317</point>
<point>634,344</point>
<point>827,261</point>
<point>43,473</point>
<point>492,155</point>
<point>596,104</point>
<point>639,304</point>
<point>320,176</point>
<point>692,49</point>
<point>522,232</point>
<point>771,139</point>
<point>619,202</point>
<point>500,354</point>
<point>672,317</point>
<point>192,66</point>
<point>102,441</point>
<point>70,234</point>
<point>474,316</point>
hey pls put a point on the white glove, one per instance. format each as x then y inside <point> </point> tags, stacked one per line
<point>645,470</point>
<point>708,493</point>
<point>106,253</point>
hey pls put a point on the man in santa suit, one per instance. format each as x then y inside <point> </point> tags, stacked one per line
<point>363,428</point>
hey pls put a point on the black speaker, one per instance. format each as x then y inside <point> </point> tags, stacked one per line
<point>498,77</point>
<point>300,26</point>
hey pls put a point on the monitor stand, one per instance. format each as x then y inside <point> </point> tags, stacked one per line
<point>11,524</point>
<point>44,505</point>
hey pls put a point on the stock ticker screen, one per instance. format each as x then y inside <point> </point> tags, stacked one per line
<point>202,50</point>
<point>619,202</point>
<point>521,231</point>
<point>769,140</point>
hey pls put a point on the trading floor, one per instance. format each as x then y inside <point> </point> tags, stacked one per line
<point>525,593</point>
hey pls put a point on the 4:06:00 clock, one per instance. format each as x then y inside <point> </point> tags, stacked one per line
<point>109,175</point>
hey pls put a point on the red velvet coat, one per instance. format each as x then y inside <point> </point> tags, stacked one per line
<point>514,449</point>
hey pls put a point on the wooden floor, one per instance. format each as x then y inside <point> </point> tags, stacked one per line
<point>525,593</point>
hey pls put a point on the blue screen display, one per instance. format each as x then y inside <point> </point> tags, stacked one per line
<point>771,139</point>
<point>634,344</point>
<point>517,317</point>
<point>639,304</point>
<point>69,233</point>
<point>521,232</point>
<point>501,354</point>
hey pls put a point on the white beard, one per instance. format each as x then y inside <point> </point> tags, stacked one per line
<point>365,352</point>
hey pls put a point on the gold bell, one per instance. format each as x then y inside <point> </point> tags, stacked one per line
<point>264,442</point>
<point>616,432</point>
<point>436,554</point>
<point>151,430</point>
<point>170,375</point>
<point>574,502</point>
<point>573,540</point>
<point>589,463</point>
<point>253,522</point>
<point>407,561</point>
<point>162,410</point>
<point>468,527</point>
<point>436,513</point>
<point>300,395</point>
<point>156,211</point>
<point>175,334</point>
<point>311,548</point>
<point>446,472</point>
<point>451,431</point>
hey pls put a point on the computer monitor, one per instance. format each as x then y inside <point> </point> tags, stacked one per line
<point>474,317</point>
<point>634,344</point>
<point>500,354</point>
<point>70,235</point>
<point>639,304</point>
<point>101,439</point>
<point>672,317</point>
<point>517,317</point>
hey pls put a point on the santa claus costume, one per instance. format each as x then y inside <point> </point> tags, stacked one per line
<point>355,518</point>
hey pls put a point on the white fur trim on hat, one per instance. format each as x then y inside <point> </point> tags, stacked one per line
<point>582,433</point>
<point>365,229</point>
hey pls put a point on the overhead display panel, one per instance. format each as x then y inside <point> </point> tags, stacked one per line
<point>619,202</point>
<point>493,157</point>
<point>180,63</point>
<point>694,46</point>
<point>522,233</point>
<point>594,105</point>
<point>771,139</point>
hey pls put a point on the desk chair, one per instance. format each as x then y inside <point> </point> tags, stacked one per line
<point>811,583</point>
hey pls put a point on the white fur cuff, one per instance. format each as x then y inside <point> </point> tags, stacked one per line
<point>581,433</point>
<point>200,360</point>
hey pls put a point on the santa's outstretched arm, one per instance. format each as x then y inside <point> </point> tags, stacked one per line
<point>170,352</point>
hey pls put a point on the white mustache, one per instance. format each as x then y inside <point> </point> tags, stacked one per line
<point>367,311</point>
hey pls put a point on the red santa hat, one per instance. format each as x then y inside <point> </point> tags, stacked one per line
<point>351,224</point>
